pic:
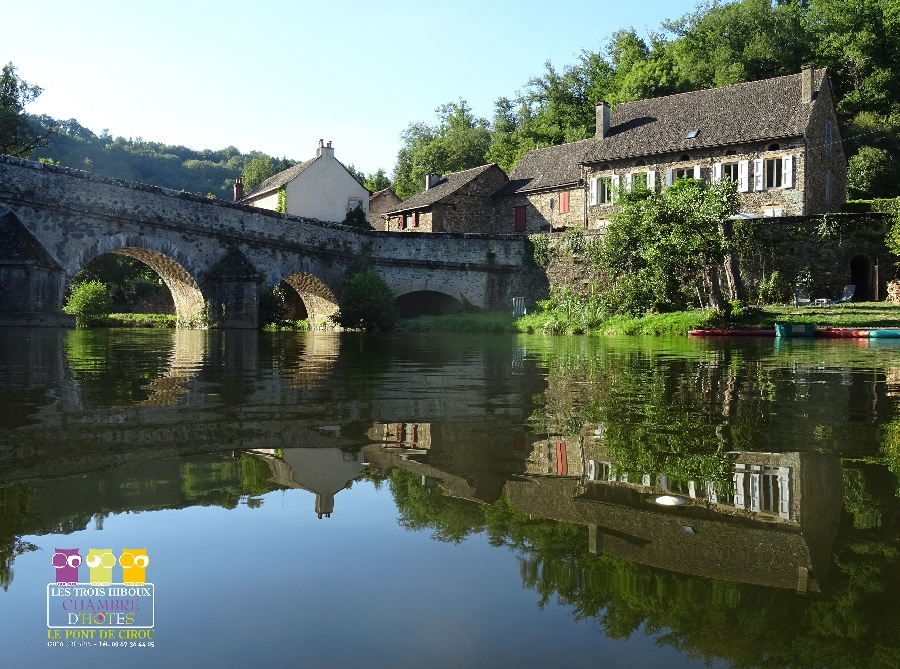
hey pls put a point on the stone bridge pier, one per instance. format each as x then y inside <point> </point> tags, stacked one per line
<point>217,257</point>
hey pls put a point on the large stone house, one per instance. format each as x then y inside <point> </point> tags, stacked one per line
<point>320,188</point>
<point>458,202</point>
<point>778,139</point>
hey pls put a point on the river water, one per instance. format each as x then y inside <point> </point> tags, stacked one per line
<point>328,500</point>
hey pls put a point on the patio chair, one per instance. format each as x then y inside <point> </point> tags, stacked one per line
<point>846,296</point>
<point>801,296</point>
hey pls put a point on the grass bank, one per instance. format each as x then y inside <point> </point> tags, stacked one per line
<point>141,321</point>
<point>854,314</point>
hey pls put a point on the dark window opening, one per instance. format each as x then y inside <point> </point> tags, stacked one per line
<point>773,147</point>
<point>773,173</point>
<point>730,170</point>
<point>684,157</point>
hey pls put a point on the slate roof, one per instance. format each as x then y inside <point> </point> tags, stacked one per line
<point>747,112</point>
<point>280,179</point>
<point>547,168</point>
<point>449,184</point>
<point>752,111</point>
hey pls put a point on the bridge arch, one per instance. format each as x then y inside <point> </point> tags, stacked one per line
<point>427,303</point>
<point>317,297</point>
<point>166,261</point>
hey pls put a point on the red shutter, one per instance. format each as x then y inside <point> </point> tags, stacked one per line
<point>564,202</point>
<point>520,219</point>
<point>401,222</point>
<point>562,460</point>
<point>415,217</point>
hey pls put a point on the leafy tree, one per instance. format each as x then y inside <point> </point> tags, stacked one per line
<point>658,246</point>
<point>257,171</point>
<point>89,302</point>
<point>871,173</point>
<point>18,136</point>
<point>368,302</point>
<point>377,181</point>
<point>356,218</point>
<point>459,141</point>
<point>127,280</point>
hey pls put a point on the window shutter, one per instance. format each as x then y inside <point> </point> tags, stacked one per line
<point>717,172</point>
<point>415,219</point>
<point>787,172</point>
<point>651,181</point>
<point>743,176</point>
<point>564,202</point>
<point>670,176</point>
<point>698,172</point>
<point>594,191</point>
<point>758,174</point>
<point>628,181</point>
<point>520,219</point>
<point>614,182</point>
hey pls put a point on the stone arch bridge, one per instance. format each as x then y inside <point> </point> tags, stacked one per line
<point>216,256</point>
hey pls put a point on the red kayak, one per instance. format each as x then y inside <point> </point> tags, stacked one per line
<point>843,333</point>
<point>731,333</point>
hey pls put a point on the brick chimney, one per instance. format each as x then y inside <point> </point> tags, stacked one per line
<point>602,118</point>
<point>807,73</point>
<point>238,189</point>
<point>431,180</point>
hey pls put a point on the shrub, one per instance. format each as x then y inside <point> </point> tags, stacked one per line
<point>90,303</point>
<point>368,302</point>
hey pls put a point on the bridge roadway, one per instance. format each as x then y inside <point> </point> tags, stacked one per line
<point>217,256</point>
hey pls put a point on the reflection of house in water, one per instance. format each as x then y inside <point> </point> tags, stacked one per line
<point>773,523</point>
<point>322,471</point>
<point>402,435</point>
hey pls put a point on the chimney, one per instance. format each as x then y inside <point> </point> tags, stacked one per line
<point>325,149</point>
<point>238,189</point>
<point>806,83</point>
<point>602,119</point>
<point>431,180</point>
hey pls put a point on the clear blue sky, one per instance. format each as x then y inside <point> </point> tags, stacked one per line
<point>277,76</point>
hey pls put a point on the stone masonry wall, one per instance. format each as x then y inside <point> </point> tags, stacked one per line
<point>539,215</point>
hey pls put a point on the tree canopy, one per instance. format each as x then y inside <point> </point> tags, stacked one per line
<point>18,136</point>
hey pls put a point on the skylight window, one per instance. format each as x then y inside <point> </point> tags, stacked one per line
<point>691,134</point>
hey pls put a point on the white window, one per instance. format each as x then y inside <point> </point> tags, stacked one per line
<point>670,176</point>
<point>614,187</point>
<point>698,172</point>
<point>683,173</point>
<point>651,181</point>
<point>717,173</point>
<point>787,172</point>
<point>774,172</point>
<point>731,171</point>
<point>606,190</point>
<point>594,181</point>
<point>743,176</point>
<point>629,181</point>
<point>353,204</point>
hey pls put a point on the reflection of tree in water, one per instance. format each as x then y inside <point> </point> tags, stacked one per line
<point>112,369</point>
<point>63,506</point>
<point>852,624</point>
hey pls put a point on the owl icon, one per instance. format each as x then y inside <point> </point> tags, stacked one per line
<point>134,563</point>
<point>100,561</point>
<point>66,561</point>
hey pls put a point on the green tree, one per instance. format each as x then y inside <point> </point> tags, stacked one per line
<point>18,135</point>
<point>377,181</point>
<point>257,171</point>
<point>89,302</point>
<point>871,173</point>
<point>356,218</point>
<point>368,302</point>
<point>459,141</point>
<point>659,246</point>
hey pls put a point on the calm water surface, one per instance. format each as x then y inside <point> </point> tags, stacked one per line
<point>324,500</point>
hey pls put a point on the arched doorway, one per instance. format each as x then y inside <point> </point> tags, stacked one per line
<point>426,303</point>
<point>861,277</point>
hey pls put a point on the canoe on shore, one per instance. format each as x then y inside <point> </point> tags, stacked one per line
<point>731,333</point>
<point>854,333</point>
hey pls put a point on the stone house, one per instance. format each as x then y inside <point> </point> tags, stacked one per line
<point>320,188</point>
<point>778,139</point>
<point>380,203</point>
<point>458,202</point>
<point>545,191</point>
